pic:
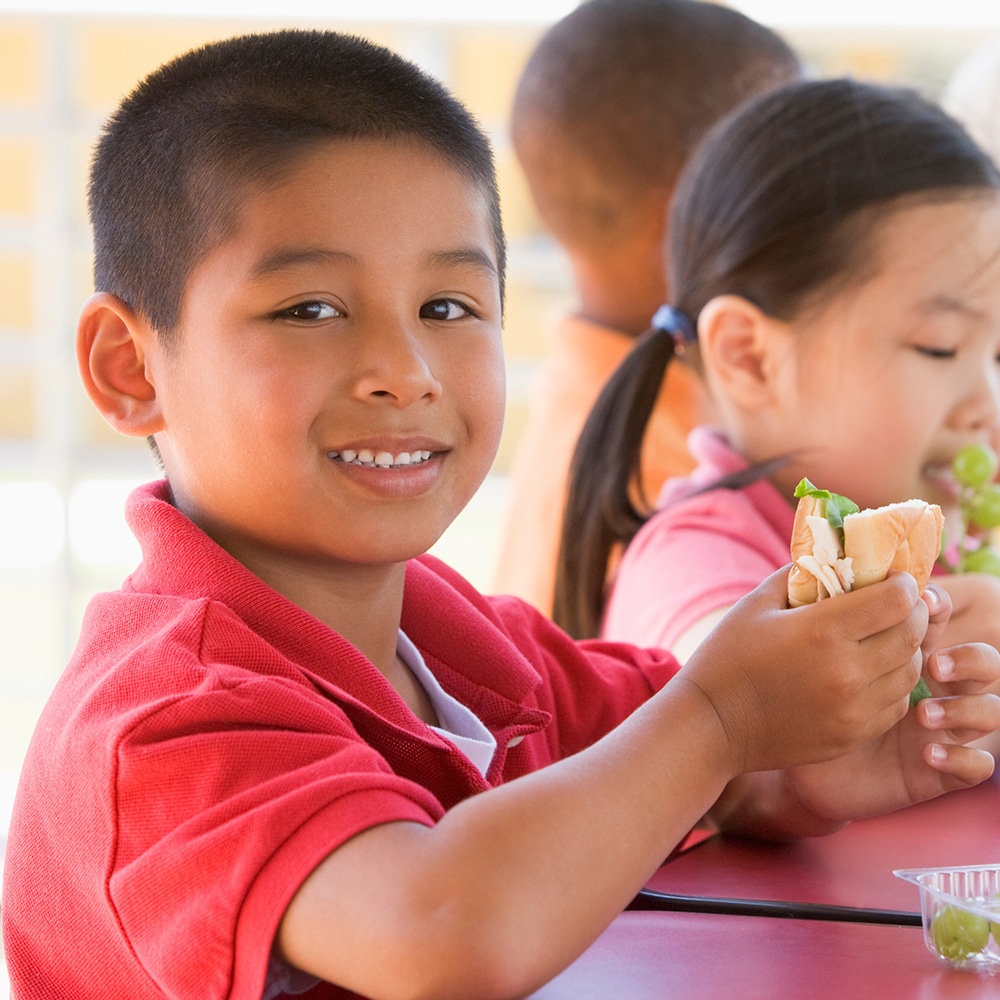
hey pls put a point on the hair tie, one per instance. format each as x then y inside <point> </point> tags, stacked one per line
<point>678,324</point>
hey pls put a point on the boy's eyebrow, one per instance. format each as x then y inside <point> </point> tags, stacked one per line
<point>465,256</point>
<point>283,258</point>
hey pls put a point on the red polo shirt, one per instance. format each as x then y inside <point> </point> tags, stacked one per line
<point>210,743</point>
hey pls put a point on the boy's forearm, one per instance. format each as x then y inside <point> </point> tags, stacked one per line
<point>513,884</point>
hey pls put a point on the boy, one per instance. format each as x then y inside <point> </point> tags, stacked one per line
<point>281,760</point>
<point>608,109</point>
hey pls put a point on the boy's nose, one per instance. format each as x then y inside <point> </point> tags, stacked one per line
<point>396,364</point>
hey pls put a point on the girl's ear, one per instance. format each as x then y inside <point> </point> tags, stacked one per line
<point>740,347</point>
<point>112,343</point>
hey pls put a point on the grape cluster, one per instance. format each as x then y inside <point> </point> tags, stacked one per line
<point>958,934</point>
<point>975,469</point>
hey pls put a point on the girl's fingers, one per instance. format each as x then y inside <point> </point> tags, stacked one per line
<point>939,609</point>
<point>968,667</point>
<point>965,765</point>
<point>961,718</point>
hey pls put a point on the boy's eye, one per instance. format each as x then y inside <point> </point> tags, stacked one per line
<point>310,311</point>
<point>444,309</point>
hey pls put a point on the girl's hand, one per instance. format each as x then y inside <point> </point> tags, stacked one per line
<point>964,680</point>
<point>975,617</point>
<point>923,756</point>
<point>975,599</point>
<point>794,686</point>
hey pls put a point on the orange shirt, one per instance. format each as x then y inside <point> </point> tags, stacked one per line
<point>582,357</point>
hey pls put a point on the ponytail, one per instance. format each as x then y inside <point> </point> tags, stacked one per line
<point>600,513</point>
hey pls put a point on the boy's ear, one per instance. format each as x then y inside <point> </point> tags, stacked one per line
<point>740,348</point>
<point>112,343</point>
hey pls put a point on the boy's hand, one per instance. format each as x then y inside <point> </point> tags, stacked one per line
<point>813,683</point>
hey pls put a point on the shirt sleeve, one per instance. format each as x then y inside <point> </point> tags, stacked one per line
<point>225,799</point>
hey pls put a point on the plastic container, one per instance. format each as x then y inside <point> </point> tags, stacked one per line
<point>961,914</point>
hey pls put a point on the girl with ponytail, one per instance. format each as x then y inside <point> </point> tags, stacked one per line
<point>834,268</point>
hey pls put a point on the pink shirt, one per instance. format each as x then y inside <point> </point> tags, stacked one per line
<point>698,554</point>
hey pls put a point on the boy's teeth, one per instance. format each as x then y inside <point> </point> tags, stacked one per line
<point>381,459</point>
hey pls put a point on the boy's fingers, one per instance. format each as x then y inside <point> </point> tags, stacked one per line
<point>866,613</point>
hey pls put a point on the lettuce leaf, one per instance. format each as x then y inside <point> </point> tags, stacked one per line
<point>837,507</point>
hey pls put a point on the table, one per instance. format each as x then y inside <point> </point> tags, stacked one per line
<point>852,867</point>
<point>705,955</point>
<point>686,956</point>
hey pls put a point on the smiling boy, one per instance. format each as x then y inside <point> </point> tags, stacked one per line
<point>282,756</point>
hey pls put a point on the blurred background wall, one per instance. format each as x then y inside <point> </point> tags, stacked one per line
<point>63,473</point>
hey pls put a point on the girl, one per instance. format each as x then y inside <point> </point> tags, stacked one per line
<point>835,271</point>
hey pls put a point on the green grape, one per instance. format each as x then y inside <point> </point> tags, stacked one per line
<point>985,511</point>
<point>985,559</point>
<point>975,465</point>
<point>958,934</point>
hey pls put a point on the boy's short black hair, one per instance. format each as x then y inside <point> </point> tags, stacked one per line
<point>176,159</point>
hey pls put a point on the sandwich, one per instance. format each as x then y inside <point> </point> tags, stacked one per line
<point>837,548</point>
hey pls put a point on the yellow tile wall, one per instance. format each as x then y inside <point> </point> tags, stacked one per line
<point>18,173</point>
<point>17,290</point>
<point>21,71</point>
<point>17,403</point>
<point>112,56</point>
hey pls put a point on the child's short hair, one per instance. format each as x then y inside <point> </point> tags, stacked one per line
<point>626,89</point>
<point>176,159</point>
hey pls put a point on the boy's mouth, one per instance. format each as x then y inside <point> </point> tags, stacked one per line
<point>380,459</point>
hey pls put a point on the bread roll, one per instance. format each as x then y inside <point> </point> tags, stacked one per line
<point>900,536</point>
<point>903,536</point>
<point>803,587</point>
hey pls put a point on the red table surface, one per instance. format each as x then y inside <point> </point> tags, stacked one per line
<point>686,956</point>
<point>852,867</point>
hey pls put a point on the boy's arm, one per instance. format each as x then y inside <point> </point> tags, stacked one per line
<point>512,884</point>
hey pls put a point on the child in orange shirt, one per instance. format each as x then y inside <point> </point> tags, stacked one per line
<point>611,104</point>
